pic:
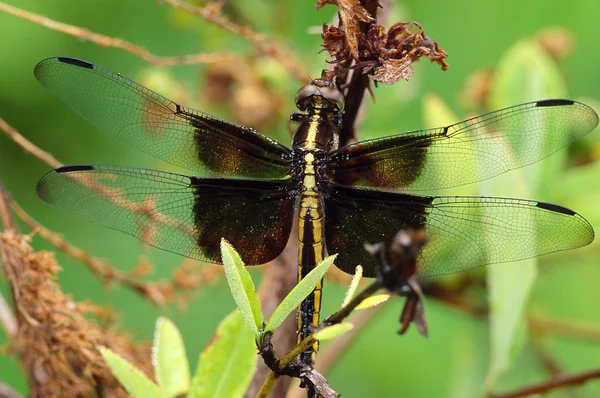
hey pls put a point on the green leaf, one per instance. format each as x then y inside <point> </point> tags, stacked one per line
<point>131,378</point>
<point>333,331</point>
<point>372,301</point>
<point>242,288</point>
<point>579,189</point>
<point>227,364</point>
<point>171,367</point>
<point>298,293</point>
<point>509,287</point>
<point>436,113</point>
<point>527,73</point>
<point>353,285</point>
<point>524,74</point>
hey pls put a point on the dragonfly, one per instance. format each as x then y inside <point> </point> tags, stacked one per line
<point>250,187</point>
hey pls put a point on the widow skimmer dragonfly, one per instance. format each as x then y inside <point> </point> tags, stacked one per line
<point>345,197</point>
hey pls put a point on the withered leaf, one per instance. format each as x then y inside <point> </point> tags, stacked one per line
<point>392,70</point>
<point>351,13</point>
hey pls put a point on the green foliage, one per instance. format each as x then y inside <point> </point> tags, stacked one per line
<point>225,367</point>
<point>242,288</point>
<point>509,285</point>
<point>134,380</point>
<point>372,301</point>
<point>456,354</point>
<point>170,362</point>
<point>298,293</point>
<point>353,285</point>
<point>333,331</point>
<point>227,364</point>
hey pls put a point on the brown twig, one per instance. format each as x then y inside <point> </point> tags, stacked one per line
<point>7,318</point>
<point>332,352</point>
<point>9,321</point>
<point>540,323</point>
<point>337,347</point>
<point>547,361</point>
<point>100,267</point>
<point>565,328</point>
<point>157,292</point>
<point>145,208</point>
<point>278,279</point>
<point>5,216</point>
<point>7,392</point>
<point>552,384</point>
<point>107,41</point>
<point>55,341</point>
<point>279,53</point>
<point>27,145</point>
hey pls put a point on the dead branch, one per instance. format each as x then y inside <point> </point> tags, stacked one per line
<point>7,392</point>
<point>552,384</point>
<point>260,41</point>
<point>107,41</point>
<point>160,292</point>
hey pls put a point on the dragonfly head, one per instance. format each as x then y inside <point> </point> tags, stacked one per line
<point>322,94</point>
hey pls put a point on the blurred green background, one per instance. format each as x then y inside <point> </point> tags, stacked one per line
<point>453,361</point>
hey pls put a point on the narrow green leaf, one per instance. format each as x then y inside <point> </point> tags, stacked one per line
<point>242,288</point>
<point>333,331</point>
<point>579,189</point>
<point>525,73</point>
<point>298,293</point>
<point>227,364</point>
<point>509,285</point>
<point>131,378</point>
<point>436,113</point>
<point>353,285</point>
<point>171,367</point>
<point>372,301</point>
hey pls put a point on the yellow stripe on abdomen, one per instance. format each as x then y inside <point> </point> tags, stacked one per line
<point>311,248</point>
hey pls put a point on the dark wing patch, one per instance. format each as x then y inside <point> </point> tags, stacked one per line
<point>355,216</point>
<point>462,232</point>
<point>472,150</point>
<point>256,217</point>
<point>159,126</point>
<point>176,213</point>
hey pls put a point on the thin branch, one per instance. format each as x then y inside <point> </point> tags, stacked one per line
<point>145,208</point>
<point>344,312</point>
<point>7,319</point>
<point>96,265</point>
<point>261,42</point>
<point>7,392</point>
<point>278,279</point>
<point>107,41</point>
<point>156,292</point>
<point>332,351</point>
<point>27,145</point>
<point>565,328</point>
<point>547,361</point>
<point>5,216</point>
<point>552,384</point>
<point>100,267</point>
<point>268,386</point>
